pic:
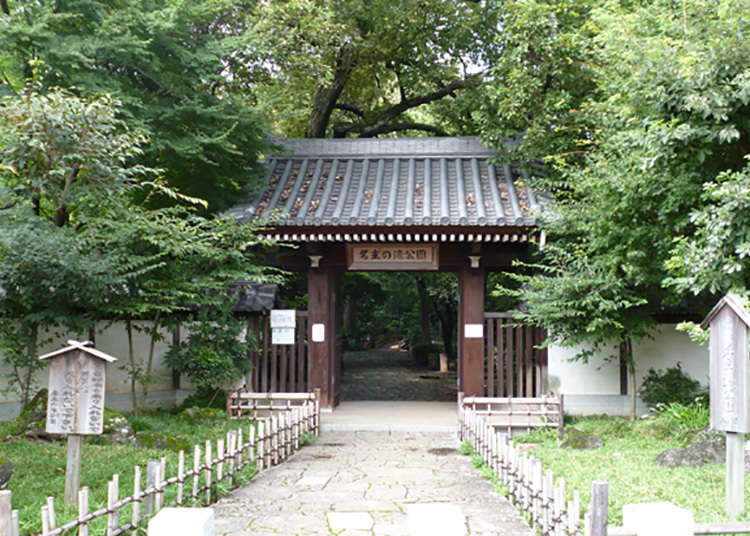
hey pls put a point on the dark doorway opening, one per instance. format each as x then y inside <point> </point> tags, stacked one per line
<point>397,327</point>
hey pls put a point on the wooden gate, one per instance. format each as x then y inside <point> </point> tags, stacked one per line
<point>514,366</point>
<point>280,368</point>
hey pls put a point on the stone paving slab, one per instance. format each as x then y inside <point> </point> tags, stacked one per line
<point>371,483</point>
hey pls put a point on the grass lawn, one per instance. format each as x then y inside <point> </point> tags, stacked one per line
<point>39,467</point>
<point>626,462</point>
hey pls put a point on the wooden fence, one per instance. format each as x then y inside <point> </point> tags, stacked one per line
<point>280,368</point>
<point>530,488</point>
<point>511,414</point>
<point>270,441</point>
<point>515,366</point>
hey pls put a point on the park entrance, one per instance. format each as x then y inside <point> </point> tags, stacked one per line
<point>422,204</point>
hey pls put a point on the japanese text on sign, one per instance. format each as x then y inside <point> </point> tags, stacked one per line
<point>397,256</point>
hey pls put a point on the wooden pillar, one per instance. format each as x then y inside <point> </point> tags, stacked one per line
<point>324,356</point>
<point>471,331</point>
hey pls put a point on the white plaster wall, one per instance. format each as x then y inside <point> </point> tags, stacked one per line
<point>113,340</point>
<point>602,377</point>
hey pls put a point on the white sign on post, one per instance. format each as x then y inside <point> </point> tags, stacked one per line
<point>75,405</point>
<point>283,323</point>
<point>729,321</point>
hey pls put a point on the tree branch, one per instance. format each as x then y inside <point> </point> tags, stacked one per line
<point>4,7</point>
<point>349,108</point>
<point>364,131</point>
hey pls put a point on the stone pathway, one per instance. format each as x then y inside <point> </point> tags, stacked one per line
<point>392,375</point>
<point>371,483</point>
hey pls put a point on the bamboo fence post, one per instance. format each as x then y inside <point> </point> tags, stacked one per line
<point>298,425</point>
<point>45,520</point>
<point>136,514</point>
<point>196,471</point>
<point>6,511</point>
<point>113,492</point>
<point>83,510</point>
<point>152,476</point>
<point>560,506</point>
<point>587,524</point>
<point>51,513</point>
<point>251,441</point>
<point>547,487</point>
<point>180,475</point>
<point>231,440</point>
<point>274,440</point>
<point>240,448</point>
<point>162,476</point>
<point>219,458</point>
<point>208,472</point>
<point>263,450</point>
<point>574,513</point>
<point>15,529</point>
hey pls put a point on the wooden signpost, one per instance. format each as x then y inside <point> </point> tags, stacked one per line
<point>76,402</point>
<point>730,379</point>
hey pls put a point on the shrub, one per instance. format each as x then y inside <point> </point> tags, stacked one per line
<point>682,421</point>
<point>669,386</point>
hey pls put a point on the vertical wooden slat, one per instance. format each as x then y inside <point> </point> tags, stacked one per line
<point>283,368</point>
<point>543,362</point>
<point>490,356</point>
<point>292,368</point>
<point>500,362</point>
<point>518,359</point>
<point>527,359</point>
<point>135,518</point>
<point>301,374</point>
<point>301,354</point>
<point>274,368</point>
<point>264,357</point>
<point>252,327</point>
<point>508,359</point>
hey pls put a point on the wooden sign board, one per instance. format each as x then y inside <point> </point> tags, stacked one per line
<point>392,256</point>
<point>76,394</point>
<point>729,373</point>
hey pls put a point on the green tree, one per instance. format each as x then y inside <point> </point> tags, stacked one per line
<point>371,68</point>
<point>668,113</point>
<point>63,160</point>
<point>177,67</point>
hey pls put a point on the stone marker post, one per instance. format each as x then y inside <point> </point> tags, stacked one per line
<point>76,402</point>
<point>729,377</point>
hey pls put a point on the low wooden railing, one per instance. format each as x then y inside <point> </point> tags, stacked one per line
<point>511,414</point>
<point>530,488</point>
<point>270,441</point>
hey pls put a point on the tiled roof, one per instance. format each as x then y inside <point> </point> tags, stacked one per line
<point>398,182</point>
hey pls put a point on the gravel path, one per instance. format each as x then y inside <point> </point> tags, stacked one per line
<point>391,375</point>
<point>371,483</point>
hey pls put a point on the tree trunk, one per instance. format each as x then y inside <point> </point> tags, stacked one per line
<point>326,97</point>
<point>133,370</point>
<point>626,356</point>
<point>26,386</point>
<point>447,318</point>
<point>424,309</point>
<point>149,364</point>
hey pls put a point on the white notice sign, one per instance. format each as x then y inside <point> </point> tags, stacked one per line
<point>283,323</point>
<point>473,331</point>
<point>318,333</point>
<point>283,318</point>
